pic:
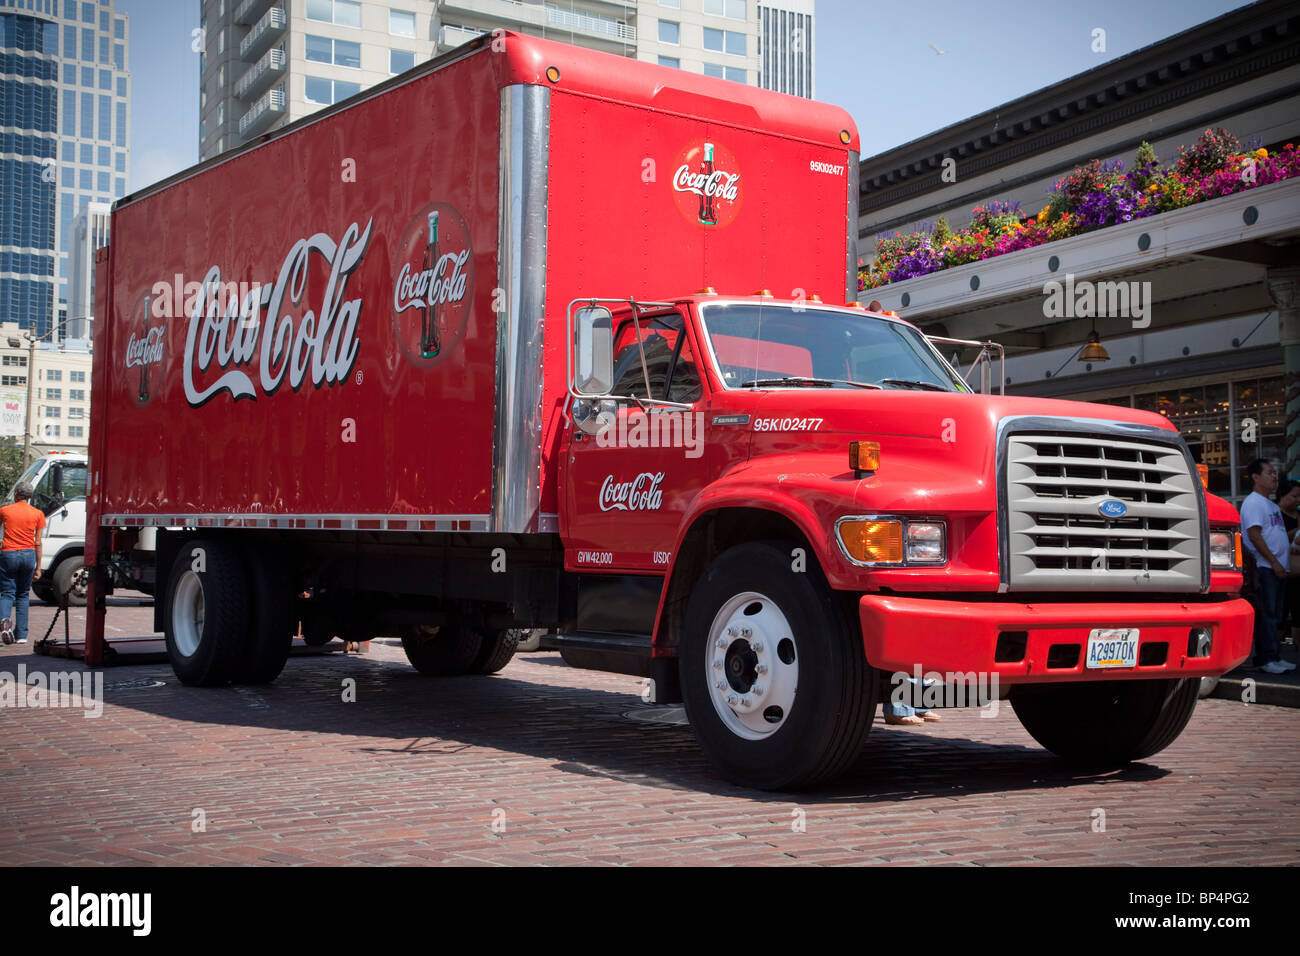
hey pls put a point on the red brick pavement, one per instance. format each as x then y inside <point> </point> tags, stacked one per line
<point>413,771</point>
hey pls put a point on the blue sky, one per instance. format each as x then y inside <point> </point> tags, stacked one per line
<point>872,57</point>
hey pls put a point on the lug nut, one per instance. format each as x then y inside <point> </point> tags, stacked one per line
<point>746,631</point>
<point>720,642</point>
<point>717,663</point>
<point>757,647</point>
<point>761,669</point>
<point>731,632</point>
<point>744,702</point>
<point>731,699</point>
<point>758,690</point>
<point>721,685</point>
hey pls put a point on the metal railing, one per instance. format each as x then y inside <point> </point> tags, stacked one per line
<point>273,20</point>
<point>589,24</point>
<point>274,59</point>
<point>273,101</point>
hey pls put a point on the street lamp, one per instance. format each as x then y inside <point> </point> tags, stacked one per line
<point>16,343</point>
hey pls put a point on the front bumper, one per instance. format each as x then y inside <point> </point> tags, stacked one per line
<point>900,633</point>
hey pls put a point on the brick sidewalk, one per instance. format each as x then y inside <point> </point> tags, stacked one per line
<point>418,770</point>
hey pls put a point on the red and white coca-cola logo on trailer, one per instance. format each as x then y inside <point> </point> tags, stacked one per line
<point>433,288</point>
<point>145,351</point>
<point>707,184</point>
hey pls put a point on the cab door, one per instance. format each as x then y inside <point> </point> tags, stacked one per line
<point>629,486</point>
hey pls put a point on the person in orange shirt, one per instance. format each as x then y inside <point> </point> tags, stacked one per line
<point>20,562</point>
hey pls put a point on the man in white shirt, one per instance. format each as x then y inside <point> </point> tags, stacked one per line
<point>1264,535</point>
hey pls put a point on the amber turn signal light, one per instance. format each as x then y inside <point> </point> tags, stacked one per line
<point>864,455</point>
<point>873,541</point>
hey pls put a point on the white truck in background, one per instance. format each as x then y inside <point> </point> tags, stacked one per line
<point>59,480</point>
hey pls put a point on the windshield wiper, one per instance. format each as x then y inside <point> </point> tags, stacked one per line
<point>801,380</point>
<point>908,383</point>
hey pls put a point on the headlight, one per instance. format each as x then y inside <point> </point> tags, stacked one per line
<point>880,540</point>
<point>1225,550</point>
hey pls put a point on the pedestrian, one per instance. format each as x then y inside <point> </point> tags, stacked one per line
<point>20,562</point>
<point>1288,500</point>
<point>898,713</point>
<point>1264,535</point>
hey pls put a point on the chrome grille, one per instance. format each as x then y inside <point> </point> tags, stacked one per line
<point>1056,538</point>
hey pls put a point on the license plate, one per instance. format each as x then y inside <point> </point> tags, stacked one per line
<point>1112,647</point>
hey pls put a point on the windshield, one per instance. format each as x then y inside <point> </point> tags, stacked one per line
<point>767,343</point>
<point>29,476</point>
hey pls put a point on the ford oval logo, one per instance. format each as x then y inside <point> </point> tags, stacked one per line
<point>1112,508</point>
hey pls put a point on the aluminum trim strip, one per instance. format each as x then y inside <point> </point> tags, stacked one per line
<point>521,265</point>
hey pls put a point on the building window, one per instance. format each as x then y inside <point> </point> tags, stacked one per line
<point>54,394</point>
<point>77,377</point>
<point>344,13</point>
<point>715,69</point>
<point>18,360</point>
<point>51,431</point>
<point>339,52</point>
<point>731,9</point>
<point>735,74</point>
<point>76,395</point>
<point>76,431</point>
<point>221,42</point>
<point>399,61</point>
<point>675,4</point>
<point>13,379</point>
<point>401,23</point>
<point>670,32</point>
<point>52,411</point>
<point>672,61</point>
<point>54,375</point>
<point>724,41</point>
<point>327,92</point>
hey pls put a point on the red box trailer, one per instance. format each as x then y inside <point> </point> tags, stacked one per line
<point>537,337</point>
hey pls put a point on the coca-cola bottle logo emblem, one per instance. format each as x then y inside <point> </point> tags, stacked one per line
<point>433,285</point>
<point>707,184</point>
<point>146,351</point>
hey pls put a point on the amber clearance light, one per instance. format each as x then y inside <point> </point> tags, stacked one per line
<point>864,455</point>
<point>872,540</point>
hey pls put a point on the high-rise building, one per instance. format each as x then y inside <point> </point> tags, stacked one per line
<point>269,62</point>
<point>64,142</point>
<point>785,36</point>
<point>89,232</point>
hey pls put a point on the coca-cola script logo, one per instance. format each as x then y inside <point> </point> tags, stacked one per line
<point>322,344</point>
<point>145,351</point>
<point>433,289</point>
<point>640,494</point>
<point>707,185</point>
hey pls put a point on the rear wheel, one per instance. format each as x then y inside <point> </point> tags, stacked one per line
<point>442,651</point>
<point>775,681</point>
<point>271,625</point>
<point>205,617</point>
<point>1109,721</point>
<point>496,650</point>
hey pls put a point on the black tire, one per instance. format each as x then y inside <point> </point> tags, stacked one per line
<point>271,619</point>
<point>1109,722</point>
<point>69,580</point>
<point>827,723</point>
<point>222,588</point>
<point>496,651</point>
<point>315,638</point>
<point>446,651</point>
<point>43,590</point>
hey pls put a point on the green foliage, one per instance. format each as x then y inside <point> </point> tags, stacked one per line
<point>1146,155</point>
<point>1208,155</point>
<point>11,464</point>
<point>942,233</point>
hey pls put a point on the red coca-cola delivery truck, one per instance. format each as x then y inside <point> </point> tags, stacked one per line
<point>538,337</point>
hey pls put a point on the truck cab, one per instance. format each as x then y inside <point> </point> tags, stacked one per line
<point>780,492</point>
<point>59,480</point>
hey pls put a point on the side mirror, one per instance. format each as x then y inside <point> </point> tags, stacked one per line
<point>594,351</point>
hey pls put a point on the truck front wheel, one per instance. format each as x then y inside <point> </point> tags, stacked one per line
<point>1106,722</point>
<point>70,579</point>
<point>205,617</point>
<point>496,650</point>
<point>775,681</point>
